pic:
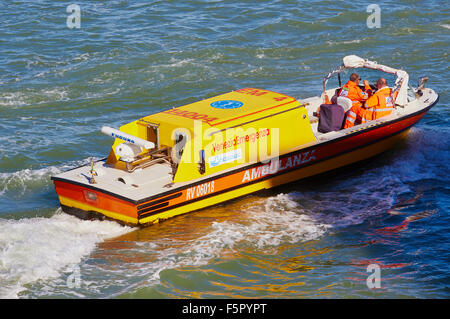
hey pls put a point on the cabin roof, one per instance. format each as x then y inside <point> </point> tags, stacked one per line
<point>225,110</point>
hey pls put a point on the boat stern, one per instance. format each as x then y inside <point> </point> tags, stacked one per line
<point>87,202</point>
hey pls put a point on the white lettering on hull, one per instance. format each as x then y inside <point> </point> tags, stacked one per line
<point>278,165</point>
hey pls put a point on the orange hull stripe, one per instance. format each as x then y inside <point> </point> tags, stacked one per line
<point>99,199</point>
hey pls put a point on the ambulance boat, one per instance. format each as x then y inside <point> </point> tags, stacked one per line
<point>194,156</point>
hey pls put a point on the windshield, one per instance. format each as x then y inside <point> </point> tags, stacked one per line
<point>411,94</point>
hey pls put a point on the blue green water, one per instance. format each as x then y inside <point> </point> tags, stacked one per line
<point>314,239</point>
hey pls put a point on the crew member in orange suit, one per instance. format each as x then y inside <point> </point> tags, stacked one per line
<point>381,103</point>
<point>351,90</point>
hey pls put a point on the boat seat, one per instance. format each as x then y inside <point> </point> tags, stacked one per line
<point>345,102</point>
<point>331,118</point>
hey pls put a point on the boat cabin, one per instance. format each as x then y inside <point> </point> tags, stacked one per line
<point>215,134</point>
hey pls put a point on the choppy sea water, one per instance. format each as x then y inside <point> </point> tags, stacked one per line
<point>312,239</point>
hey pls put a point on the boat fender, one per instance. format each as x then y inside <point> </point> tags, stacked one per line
<point>345,102</point>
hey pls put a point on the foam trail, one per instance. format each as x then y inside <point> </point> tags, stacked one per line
<point>20,181</point>
<point>276,221</point>
<point>23,180</point>
<point>35,249</point>
<point>265,226</point>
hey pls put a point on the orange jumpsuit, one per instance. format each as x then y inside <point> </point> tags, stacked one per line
<point>379,105</point>
<point>356,113</point>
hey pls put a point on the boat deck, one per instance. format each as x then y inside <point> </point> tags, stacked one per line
<point>413,106</point>
<point>136,185</point>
